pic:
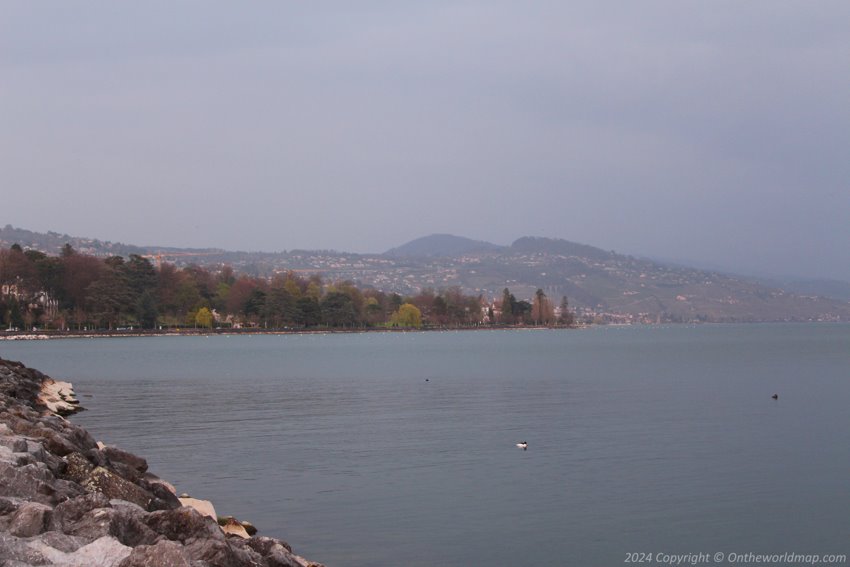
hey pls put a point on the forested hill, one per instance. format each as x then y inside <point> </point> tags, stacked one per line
<point>600,285</point>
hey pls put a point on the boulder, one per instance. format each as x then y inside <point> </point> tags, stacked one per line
<point>24,483</point>
<point>30,520</point>
<point>164,498</point>
<point>62,542</point>
<point>162,554</point>
<point>231,527</point>
<point>77,467</point>
<point>13,549</point>
<point>263,545</point>
<point>13,442</point>
<point>204,507</point>
<point>125,525</point>
<point>72,511</point>
<point>183,524</point>
<point>127,460</point>
<point>276,553</point>
<point>152,480</point>
<point>103,552</point>
<point>8,505</point>
<point>113,486</point>
<point>219,553</point>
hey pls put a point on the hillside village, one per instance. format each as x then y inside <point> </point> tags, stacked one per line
<point>602,286</point>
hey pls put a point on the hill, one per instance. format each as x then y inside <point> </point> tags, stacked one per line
<point>442,245</point>
<point>52,243</point>
<point>601,285</point>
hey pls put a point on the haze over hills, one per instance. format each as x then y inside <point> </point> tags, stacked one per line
<point>601,285</point>
<point>442,245</point>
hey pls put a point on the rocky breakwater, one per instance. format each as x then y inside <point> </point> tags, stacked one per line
<point>67,500</point>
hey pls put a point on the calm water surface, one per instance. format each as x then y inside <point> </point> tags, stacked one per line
<point>399,449</point>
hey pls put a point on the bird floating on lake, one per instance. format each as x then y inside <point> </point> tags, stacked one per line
<point>523,445</point>
<point>775,396</point>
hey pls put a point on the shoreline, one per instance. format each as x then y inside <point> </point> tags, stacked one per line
<point>67,499</point>
<point>52,335</point>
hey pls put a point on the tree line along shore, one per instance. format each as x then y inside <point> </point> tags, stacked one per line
<point>77,293</point>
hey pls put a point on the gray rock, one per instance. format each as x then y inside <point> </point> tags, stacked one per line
<point>183,524</point>
<point>72,511</point>
<point>103,552</point>
<point>263,545</point>
<point>127,526</point>
<point>24,483</point>
<point>113,486</point>
<point>165,499</point>
<point>30,520</point>
<point>120,457</point>
<point>77,467</point>
<point>276,553</point>
<point>218,553</point>
<point>162,554</point>
<point>55,464</point>
<point>14,443</point>
<point>62,542</point>
<point>15,549</point>
<point>9,505</point>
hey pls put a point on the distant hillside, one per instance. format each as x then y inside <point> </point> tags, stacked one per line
<point>52,243</point>
<point>558,246</point>
<point>442,245</point>
<point>601,286</point>
<point>835,289</point>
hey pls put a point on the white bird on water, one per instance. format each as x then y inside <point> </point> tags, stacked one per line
<point>523,445</point>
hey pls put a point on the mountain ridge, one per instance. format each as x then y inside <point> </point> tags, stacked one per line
<point>601,285</point>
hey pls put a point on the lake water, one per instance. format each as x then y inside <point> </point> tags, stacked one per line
<point>399,449</point>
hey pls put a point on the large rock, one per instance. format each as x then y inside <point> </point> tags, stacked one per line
<point>25,483</point>
<point>73,510</point>
<point>183,524</point>
<point>164,497</point>
<point>218,553</point>
<point>125,525</point>
<point>232,527</point>
<point>275,552</point>
<point>264,545</point>
<point>62,542</point>
<point>30,520</point>
<point>13,549</point>
<point>113,486</point>
<point>204,507</point>
<point>77,467</point>
<point>103,552</point>
<point>130,462</point>
<point>162,554</point>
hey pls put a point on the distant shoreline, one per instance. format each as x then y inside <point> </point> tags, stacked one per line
<point>48,335</point>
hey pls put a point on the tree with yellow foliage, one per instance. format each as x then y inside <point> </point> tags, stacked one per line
<point>408,315</point>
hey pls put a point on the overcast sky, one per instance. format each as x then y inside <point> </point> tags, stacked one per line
<point>716,132</point>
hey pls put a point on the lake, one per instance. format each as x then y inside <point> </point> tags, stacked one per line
<point>387,449</point>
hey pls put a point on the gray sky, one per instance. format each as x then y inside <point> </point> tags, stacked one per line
<point>717,132</point>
